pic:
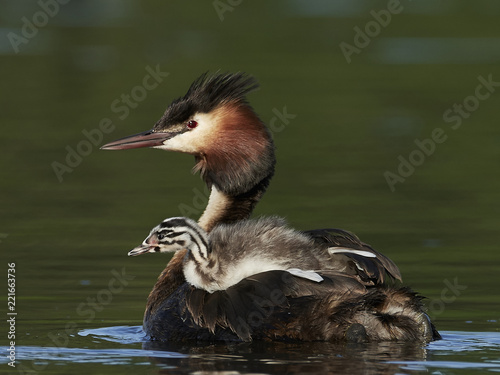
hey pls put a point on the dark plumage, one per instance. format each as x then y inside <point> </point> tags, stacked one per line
<point>234,153</point>
<point>278,306</point>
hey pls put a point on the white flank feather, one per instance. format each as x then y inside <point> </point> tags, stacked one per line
<point>309,275</point>
<point>336,250</point>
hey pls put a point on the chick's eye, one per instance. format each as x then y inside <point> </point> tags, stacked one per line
<point>165,234</point>
<point>191,124</point>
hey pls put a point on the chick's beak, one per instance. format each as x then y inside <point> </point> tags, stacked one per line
<point>145,139</point>
<point>142,249</point>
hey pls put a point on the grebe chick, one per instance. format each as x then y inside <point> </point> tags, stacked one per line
<point>233,252</point>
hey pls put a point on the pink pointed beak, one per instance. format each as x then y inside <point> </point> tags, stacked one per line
<point>144,139</point>
<point>142,249</point>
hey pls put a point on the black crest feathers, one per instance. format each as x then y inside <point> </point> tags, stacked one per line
<point>206,93</point>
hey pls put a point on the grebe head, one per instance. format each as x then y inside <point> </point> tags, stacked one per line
<point>214,122</point>
<point>173,234</point>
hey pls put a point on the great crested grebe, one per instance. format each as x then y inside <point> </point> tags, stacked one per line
<point>234,153</point>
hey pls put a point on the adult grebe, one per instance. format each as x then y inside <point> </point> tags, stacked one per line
<point>235,156</point>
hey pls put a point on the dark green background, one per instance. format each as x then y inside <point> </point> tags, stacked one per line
<point>353,120</point>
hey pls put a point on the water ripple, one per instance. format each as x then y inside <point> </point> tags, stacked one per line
<point>128,345</point>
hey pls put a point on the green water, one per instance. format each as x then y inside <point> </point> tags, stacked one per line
<point>68,221</point>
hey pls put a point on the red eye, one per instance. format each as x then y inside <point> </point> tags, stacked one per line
<point>191,124</point>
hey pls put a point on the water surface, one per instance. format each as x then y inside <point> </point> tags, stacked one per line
<point>124,347</point>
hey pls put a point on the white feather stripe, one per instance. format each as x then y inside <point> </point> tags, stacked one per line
<point>305,274</point>
<point>336,250</point>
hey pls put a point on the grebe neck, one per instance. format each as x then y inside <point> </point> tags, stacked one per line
<point>225,208</point>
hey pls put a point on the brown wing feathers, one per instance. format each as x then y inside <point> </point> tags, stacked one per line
<point>370,270</point>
